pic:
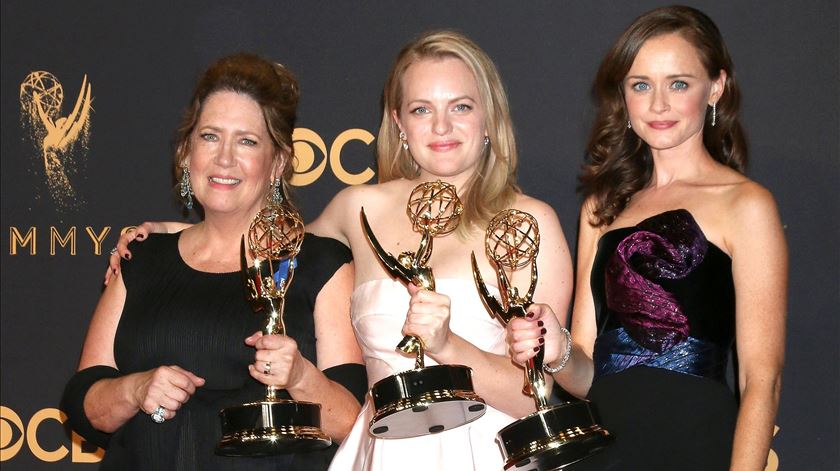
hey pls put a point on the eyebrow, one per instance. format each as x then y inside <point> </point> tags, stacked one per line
<point>210,127</point>
<point>458,98</point>
<point>645,77</point>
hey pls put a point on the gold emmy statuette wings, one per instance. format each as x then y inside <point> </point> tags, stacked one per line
<point>64,131</point>
<point>59,134</point>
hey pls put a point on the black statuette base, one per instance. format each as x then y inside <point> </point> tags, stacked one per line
<point>271,428</point>
<point>424,401</point>
<point>553,438</point>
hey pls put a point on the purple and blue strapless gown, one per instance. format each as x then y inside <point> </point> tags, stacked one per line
<point>665,306</point>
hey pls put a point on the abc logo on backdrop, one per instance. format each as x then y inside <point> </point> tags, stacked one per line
<point>15,436</point>
<point>307,142</point>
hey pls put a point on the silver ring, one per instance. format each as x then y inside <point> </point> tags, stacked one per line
<point>267,369</point>
<point>113,251</point>
<point>158,416</point>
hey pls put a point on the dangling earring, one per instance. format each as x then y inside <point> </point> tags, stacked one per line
<point>403,138</point>
<point>629,126</point>
<point>486,140</point>
<point>276,193</point>
<point>714,114</point>
<point>186,187</point>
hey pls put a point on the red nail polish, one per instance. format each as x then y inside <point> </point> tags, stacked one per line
<point>540,323</point>
<point>543,331</point>
<point>542,340</point>
<point>530,315</point>
<point>536,349</point>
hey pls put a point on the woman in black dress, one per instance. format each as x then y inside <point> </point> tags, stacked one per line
<point>679,256</point>
<point>173,340</point>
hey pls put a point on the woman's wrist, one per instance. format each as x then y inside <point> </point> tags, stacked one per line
<point>306,380</point>
<point>567,353</point>
<point>450,350</point>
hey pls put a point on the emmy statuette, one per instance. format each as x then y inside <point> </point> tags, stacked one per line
<point>272,425</point>
<point>554,436</point>
<point>432,399</point>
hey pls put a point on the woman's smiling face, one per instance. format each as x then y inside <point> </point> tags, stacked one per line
<point>667,91</point>
<point>232,157</point>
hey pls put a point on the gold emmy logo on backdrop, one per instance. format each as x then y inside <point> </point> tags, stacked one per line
<point>61,140</point>
<point>307,172</point>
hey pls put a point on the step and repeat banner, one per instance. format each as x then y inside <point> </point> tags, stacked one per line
<point>92,92</point>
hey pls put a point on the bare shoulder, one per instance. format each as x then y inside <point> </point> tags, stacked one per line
<point>372,195</point>
<point>339,219</point>
<point>587,210</point>
<point>586,217</point>
<point>551,231</point>
<point>348,196</point>
<point>537,208</point>
<point>588,234</point>
<point>753,216</point>
<point>332,218</point>
<point>750,201</point>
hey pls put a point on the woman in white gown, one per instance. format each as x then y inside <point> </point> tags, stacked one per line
<point>445,117</point>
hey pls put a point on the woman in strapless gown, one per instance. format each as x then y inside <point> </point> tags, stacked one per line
<point>664,299</point>
<point>679,256</point>
<point>445,117</point>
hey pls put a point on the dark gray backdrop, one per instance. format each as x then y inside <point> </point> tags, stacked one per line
<point>142,60</point>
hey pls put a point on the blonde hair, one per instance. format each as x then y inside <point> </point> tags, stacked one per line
<point>493,187</point>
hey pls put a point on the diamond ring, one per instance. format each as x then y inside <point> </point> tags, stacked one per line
<point>158,415</point>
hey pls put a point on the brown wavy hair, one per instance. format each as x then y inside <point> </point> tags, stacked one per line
<point>619,162</point>
<point>271,85</point>
<point>493,187</point>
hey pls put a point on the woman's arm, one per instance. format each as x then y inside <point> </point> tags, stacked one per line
<point>336,345</point>
<point>139,233</point>
<point>759,269</point>
<point>524,334</point>
<point>109,403</point>
<point>329,224</point>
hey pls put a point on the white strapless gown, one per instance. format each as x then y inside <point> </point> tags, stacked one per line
<point>378,313</point>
